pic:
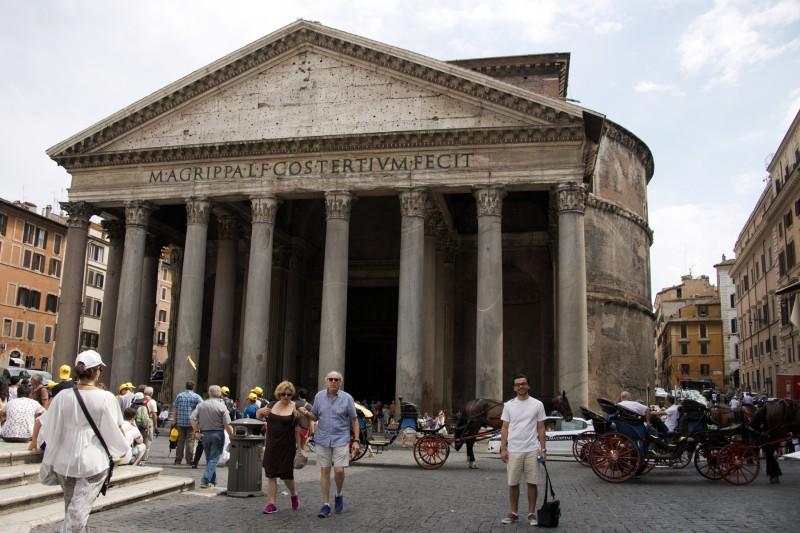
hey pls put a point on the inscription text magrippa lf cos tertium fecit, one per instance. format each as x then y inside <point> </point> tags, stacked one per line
<point>307,167</point>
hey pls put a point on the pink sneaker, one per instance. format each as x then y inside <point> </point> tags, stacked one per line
<point>270,508</point>
<point>295,502</point>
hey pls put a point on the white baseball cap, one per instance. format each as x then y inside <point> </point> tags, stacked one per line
<point>90,359</point>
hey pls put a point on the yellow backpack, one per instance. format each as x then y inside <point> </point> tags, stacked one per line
<point>173,435</point>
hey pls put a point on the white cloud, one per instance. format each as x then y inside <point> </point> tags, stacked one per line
<point>735,34</point>
<point>608,27</point>
<point>647,86</point>
<point>693,237</point>
<point>794,108</point>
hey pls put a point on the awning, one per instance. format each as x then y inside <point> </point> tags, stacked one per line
<point>793,286</point>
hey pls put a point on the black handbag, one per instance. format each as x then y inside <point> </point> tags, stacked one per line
<point>550,512</point>
<point>107,482</point>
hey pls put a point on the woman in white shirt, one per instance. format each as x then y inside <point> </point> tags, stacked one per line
<point>65,428</point>
<point>20,414</point>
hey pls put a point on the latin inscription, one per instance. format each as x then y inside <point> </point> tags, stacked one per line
<point>309,167</point>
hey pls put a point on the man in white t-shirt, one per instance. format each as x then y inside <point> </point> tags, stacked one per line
<point>522,440</point>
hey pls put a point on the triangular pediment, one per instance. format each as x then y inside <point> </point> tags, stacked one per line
<point>307,81</point>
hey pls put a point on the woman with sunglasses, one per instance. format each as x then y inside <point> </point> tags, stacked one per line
<point>280,446</point>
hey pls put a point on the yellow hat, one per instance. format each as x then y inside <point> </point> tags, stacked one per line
<point>125,386</point>
<point>252,397</point>
<point>224,390</point>
<point>257,390</point>
<point>51,384</point>
<point>64,372</point>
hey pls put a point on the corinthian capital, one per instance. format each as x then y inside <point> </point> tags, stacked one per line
<point>413,203</point>
<point>489,201</point>
<point>227,225</point>
<point>198,211</point>
<point>337,204</point>
<point>114,230</point>
<point>571,198</point>
<point>264,209</point>
<point>79,213</point>
<point>137,213</point>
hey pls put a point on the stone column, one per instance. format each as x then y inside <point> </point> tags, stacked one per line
<point>253,363</point>
<point>450,255</point>
<point>147,310</point>
<point>190,306</point>
<point>489,320</point>
<point>71,301</point>
<point>115,231</point>
<point>430,388</point>
<point>126,329</point>
<point>220,358</point>
<point>573,358</point>
<point>333,315</point>
<point>408,377</point>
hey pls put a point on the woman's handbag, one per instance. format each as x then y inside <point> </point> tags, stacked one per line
<point>47,476</point>
<point>550,512</point>
<point>300,458</point>
<point>107,482</point>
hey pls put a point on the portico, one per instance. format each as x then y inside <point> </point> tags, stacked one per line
<point>448,206</point>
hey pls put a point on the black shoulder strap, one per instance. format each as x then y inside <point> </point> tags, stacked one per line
<point>548,484</point>
<point>91,421</point>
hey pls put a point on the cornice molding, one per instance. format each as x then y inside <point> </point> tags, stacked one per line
<point>607,299</point>
<point>309,35</point>
<point>324,144</point>
<point>617,133</point>
<point>615,209</point>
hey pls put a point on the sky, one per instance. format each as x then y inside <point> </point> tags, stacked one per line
<point>710,86</point>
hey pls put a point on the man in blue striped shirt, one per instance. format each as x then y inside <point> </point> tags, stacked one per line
<point>184,404</point>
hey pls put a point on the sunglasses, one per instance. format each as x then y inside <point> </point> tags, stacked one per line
<point>334,379</point>
<point>289,394</point>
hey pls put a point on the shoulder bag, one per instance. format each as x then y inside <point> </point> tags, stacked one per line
<point>550,512</point>
<point>107,482</point>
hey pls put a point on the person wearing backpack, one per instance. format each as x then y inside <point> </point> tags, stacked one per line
<point>142,418</point>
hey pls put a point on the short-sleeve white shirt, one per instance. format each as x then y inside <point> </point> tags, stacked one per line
<point>672,417</point>
<point>523,417</point>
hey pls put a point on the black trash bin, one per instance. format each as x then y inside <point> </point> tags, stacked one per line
<point>244,466</point>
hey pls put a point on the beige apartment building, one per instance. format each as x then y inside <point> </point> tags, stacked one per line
<point>689,339</point>
<point>766,275</point>
<point>32,250</point>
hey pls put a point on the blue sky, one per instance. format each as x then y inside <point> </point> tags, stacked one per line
<point>710,86</point>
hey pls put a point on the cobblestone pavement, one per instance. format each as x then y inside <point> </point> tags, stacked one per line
<point>389,493</point>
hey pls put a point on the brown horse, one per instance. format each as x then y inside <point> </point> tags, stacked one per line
<point>774,420</point>
<point>481,412</point>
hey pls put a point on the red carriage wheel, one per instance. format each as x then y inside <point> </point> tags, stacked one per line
<point>706,460</point>
<point>739,463</point>
<point>614,457</point>
<point>431,451</point>
<point>581,446</point>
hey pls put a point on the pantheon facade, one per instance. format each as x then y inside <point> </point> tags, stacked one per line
<point>429,228</point>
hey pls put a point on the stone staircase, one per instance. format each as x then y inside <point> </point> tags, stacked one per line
<point>25,503</point>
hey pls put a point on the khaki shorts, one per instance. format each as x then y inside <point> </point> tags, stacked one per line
<point>519,462</point>
<point>338,456</point>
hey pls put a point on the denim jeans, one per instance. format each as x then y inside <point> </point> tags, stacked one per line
<point>213,441</point>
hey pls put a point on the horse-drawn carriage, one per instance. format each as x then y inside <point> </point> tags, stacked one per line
<point>621,447</point>
<point>432,449</point>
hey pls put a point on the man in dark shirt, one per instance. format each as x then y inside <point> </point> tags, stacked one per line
<point>65,377</point>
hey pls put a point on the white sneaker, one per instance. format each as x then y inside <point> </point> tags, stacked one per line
<point>510,519</point>
<point>532,520</point>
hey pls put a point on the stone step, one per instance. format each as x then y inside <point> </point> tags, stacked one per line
<point>21,474</point>
<point>22,521</point>
<point>21,497</point>
<point>14,453</point>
